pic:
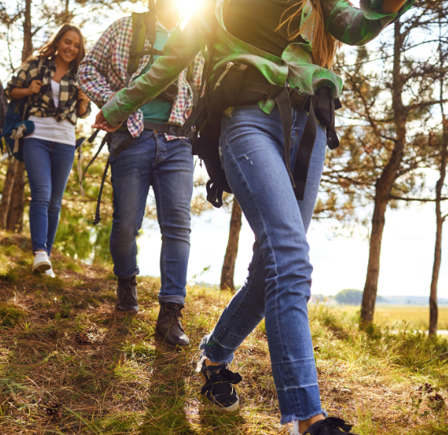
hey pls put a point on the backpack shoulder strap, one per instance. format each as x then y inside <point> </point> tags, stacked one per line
<point>137,44</point>
<point>40,76</point>
<point>151,26</point>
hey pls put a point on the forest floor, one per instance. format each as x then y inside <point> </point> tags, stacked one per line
<point>70,365</point>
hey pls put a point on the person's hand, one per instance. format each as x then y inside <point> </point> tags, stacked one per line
<point>34,87</point>
<point>82,96</point>
<point>102,124</point>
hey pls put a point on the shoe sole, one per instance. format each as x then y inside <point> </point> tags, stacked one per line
<point>161,338</point>
<point>231,408</point>
<point>41,267</point>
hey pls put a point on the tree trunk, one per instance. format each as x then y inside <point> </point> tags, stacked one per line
<point>433,308</point>
<point>14,221</point>
<point>384,186</point>
<point>27,49</point>
<point>7,192</point>
<point>12,204</point>
<point>228,268</point>
<point>373,267</point>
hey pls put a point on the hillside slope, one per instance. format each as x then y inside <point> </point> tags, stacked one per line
<point>69,364</point>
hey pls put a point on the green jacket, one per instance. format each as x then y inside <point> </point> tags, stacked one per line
<point>348,24</point>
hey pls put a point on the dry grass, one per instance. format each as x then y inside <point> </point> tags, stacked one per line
<point>69,364</point>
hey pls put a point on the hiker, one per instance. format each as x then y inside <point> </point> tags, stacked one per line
<point>268,55</point>
<point>157,156</point>
<point>55,103</point>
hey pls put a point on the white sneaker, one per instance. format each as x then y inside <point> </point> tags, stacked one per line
<point>50,272</point>
<point>41,262</point>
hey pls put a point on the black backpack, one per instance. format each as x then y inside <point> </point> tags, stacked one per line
<point>237,84</point>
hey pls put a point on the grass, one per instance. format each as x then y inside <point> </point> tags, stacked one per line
<point>417,317</point>
<point>70,365</point>
<point>401,317</point>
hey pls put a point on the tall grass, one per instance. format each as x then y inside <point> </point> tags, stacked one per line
<point>69,364</point>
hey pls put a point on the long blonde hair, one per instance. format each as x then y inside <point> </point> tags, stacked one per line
<point>324,45</point>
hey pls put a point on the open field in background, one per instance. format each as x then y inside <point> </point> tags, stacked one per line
<point>70,365</point>
<point>400,317</point>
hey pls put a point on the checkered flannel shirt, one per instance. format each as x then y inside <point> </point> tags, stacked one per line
<point>42,104</point>
<point>104,70</point>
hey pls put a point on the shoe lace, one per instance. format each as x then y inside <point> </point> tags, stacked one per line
<point>221,378</point>
<point>128,286</point>
<point>174,312</point>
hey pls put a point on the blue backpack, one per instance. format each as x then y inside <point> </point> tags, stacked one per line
<point>16,127</point>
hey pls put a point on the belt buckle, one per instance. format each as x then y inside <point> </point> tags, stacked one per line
<point>172,130</point>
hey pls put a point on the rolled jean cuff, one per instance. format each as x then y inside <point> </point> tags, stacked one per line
<point>209,352</point>
<point>135,273</point>
<point>180,300</point>
<point>285,419</point>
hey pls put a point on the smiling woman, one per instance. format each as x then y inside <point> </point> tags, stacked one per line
<point>54,103</point>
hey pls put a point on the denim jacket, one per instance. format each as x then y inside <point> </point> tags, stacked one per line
<point>197,31</point>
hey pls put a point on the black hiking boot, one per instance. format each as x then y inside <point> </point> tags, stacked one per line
<point>168,327</point>
<point>127,295</point>
<point>219,389</point>
<point>329,426</point>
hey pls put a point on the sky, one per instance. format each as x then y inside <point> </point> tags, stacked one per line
<point>339,262</point>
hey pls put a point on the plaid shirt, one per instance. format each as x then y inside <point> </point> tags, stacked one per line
<point>296,66</point>
<point>104,70</point>
<point>42,104</point>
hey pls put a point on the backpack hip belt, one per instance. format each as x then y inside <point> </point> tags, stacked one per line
<point>239,85</point>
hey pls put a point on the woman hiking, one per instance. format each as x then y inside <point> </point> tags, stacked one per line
<point>290,45</point>
<point>55,103</point>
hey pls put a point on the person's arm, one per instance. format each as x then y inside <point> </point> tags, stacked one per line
<point>178,53</point>
<point>355,26</point>
<point>92,71</point>
<point>84,108</point>
<point>23,84</point>
<point>33,88</point>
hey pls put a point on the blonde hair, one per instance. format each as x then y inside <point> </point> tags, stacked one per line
<point>324,45</point>
<point>50,47</point>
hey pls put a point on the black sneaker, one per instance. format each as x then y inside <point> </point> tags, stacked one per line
<point>329,426</point>
<point>219,389</point>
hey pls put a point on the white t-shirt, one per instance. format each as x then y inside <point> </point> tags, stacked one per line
<point>50,129</point>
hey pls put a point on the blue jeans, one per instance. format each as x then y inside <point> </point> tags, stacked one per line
<point>167,166</point>
<point>48,165</point>
<point>279,279</point>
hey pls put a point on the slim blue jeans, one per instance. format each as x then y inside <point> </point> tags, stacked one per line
<point>167,166</point>
<point>279,279</point>
<point>48,165</point>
